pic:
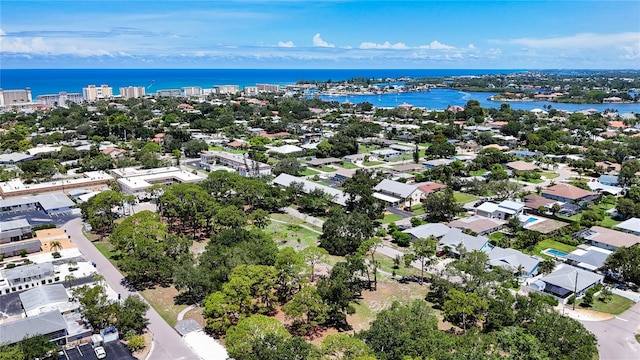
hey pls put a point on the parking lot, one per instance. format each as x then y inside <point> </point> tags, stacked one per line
<point>115,351</point>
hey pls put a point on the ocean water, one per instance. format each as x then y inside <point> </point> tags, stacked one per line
<point>52,81</point>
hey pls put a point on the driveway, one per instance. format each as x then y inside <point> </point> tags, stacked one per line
<point>616,339</point>
<point>167,343</point>
<point>402,213</point>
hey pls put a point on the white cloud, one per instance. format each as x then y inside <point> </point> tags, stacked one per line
<point>19,45</point>
<point>385,45</point>
<point>286,44</point>
<point>578,41</point>
<point>317,41</point>
<point>471,47</point>
<point>494,51</point>
<point>2,33</point>
<point>437,45</point>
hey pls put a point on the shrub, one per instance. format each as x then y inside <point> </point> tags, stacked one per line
<point>43,227</point>
<point>56,255</point>
<point>136,342</point>
<point>10,266</point>
<point>23,253</point>
<point>571,300</point>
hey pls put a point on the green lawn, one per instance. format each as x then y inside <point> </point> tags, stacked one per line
<point>385,264</point>
<point>550,175</point>
<point>616,306</point>
<point>308,172</point>
<point>372,163</point>
<point>389,218</point>
<point>292,235</point>
<point>349,165</point>
<point>365,148</point>
<point>418,211</point>
<point>532,181</point>
<point>551,244</point>
<point>607,221</point>
<point>497,236</point>
<point>106,249</point>
<point>426,144</point>
<point>463,198</point>
<point>328,169</point>
<point>478,172</point>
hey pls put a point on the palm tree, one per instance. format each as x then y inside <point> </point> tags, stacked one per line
<point>69,279</point>
<point>55,245</point>
<point>546,266</point>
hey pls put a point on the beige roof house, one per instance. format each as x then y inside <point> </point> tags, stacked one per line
<point>521,166</point>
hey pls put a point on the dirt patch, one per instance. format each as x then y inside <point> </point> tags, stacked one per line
<point>162,299</point>
<point>195,314</point>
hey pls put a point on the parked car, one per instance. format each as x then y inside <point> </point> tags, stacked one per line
<point>100,353</point>
<point>622,286</point>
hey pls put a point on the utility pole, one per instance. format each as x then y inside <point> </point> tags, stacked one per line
<point>575,291</point>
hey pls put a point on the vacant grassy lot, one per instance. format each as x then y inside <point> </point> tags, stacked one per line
<point>328,169</point>
<point>550,175</point>
<point>390,217</point>
<point>463,198</point>
<point>292,234</point>
<point>372,163</point>
<point>308,171</point>
<point>616,306</point>
<point>373,302</point>
<point>349,165</point>
<point>162,300</point>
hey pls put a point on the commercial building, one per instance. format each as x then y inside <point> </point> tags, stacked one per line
<point>91,179</point>
<point>11,98</point>
<point>16,237</point>
<point>27,277</point>
<point>240,163</point>
<point>93,93</point>
<point>285,180</point>
<point>53,203</point>
<point>60,99</point>
<point>132,92</point>
<point>136,182</point>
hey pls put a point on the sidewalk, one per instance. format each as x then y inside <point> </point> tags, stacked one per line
<point>582,314</point>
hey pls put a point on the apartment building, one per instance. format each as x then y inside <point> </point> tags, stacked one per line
<point>93,93</point>
<point>60,99</point>
<point>10,98</point>
<point>132,92</point>
<point>226,89</point>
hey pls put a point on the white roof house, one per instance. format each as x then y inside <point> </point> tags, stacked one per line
<point>631,226</point>
<point>285,180</point>
<point>436,230</point>
<point>47,298</point>
<point>286,149</point>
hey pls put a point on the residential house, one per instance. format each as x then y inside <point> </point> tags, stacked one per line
<point>610,180</point>
<point>14,158</point>
<point>16,237</point>
<point>504,210</point>
<point>478,224</point>
<point>53,203</point>
<point>430,164</point>
<point>51,325</point>
<point>522,265</point>
<point>587,257</point>
<point>608,239</point>
<point>566,282</point>
<point>631,226</point>
<point>287,150</point>
<point>436,230</point>
<point>114,152</point>
<point>285,180</point>
<point>430,187</point>
<point>569,194</point>
<point>324,161</point>
<point>398,194</point>
<point>534,202</point>
<point>520,166</point>
<point>354,158</point>
<point>343,174</point>
<point>456,241</point>
<point>387,154</point>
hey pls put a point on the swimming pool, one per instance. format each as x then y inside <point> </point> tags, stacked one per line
<point>554,252</point>
<point>531,220</point>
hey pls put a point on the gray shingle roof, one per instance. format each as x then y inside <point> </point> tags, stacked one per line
<point>565,278</point>
<point>27,271</point>
<point>286,180</point>
<point>512,259</point>
<point>395,188</point>
<point>47,323</point>
<point>424,231</point>
<point>456,237</point>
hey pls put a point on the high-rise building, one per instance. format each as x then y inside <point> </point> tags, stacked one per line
<point>15,97</point>
<point>272,88</point>
<point>192,91</point>
<point>93,93</point>
<point>59,99</point>
<point>132,92</point>
<point>226,89</point>
<point>250,90</point>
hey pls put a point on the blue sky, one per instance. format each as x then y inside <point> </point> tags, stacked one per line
<point>320,34</point>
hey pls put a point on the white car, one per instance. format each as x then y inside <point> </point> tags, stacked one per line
<point>100,353</point>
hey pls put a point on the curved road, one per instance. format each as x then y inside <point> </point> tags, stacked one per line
<point>615,336</point>
<point>167,343</point>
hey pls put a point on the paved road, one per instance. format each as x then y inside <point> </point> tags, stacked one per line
<point>168,345</point>
<point>308,218</point>
<point>616,339</point>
